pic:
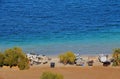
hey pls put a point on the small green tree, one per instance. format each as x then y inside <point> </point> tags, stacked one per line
<point>50,75</point>
<point>22,60</point>
<point>23,63</point>
<point>67,57</point>
<point>116,56</point>
<point>16,57</point>
<point>10,58</point>
<point>71,57</point>
<point>1,59</point>
<point>63,58</point>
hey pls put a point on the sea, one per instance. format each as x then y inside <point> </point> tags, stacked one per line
<point>52,27</point>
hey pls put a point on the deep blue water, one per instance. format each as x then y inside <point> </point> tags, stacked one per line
<point>55,26</point>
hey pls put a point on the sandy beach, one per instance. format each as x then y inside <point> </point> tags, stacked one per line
<point>97,71</point>
<point>71,72</point>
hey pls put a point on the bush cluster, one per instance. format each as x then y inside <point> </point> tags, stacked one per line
<point>67,58</point>
<point>116,56</point>
<point>50,75</point>
<point>1,59</point>
<point>14,57</point>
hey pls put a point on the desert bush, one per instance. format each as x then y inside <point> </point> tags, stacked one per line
<point>67,58</point>
<point>116,56</point>
<point>10,57</point>
<point>1,59</point>
<point>50,75</point>
<point>63,58</point>
<point>23,62</point>
<point>16,57</point>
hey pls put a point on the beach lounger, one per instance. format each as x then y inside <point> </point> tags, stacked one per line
<point>107,63</point>
<point>104,59</point>
<point>79,62</point>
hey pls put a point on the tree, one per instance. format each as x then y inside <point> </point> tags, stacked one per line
<point>23,62</point>
<point>116,56</point>
<point>63,58</point>
<point>67,58</point>
<point>16,57</point>
<point>50,75</point>
<point>10,57</point>
<point>71,57</point>
<point>1,59</point>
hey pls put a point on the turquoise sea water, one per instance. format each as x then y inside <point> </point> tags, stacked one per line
<point>54,26</point>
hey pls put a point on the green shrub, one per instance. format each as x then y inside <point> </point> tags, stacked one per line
<point>67,58</point>
<point>116,56</point>
<point>10,57</point>
<point>63,58</point>
<point>50,75</point>
<point>1,59</point>
<point>23,62</point>
<point>115,63</point>
<point>16,57</point>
